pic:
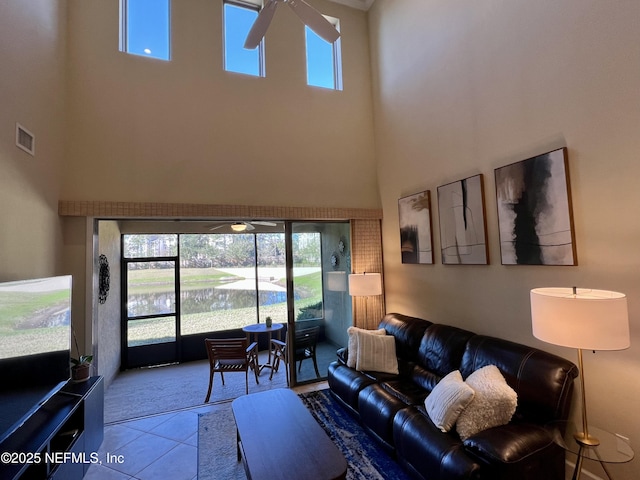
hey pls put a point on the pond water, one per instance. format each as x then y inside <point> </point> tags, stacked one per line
<point>200,301</point>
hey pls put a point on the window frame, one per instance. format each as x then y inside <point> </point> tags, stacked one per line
<point>124,32</point>
<point>249,5</point>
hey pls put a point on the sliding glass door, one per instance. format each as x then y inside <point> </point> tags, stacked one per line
<point>321,261</point>
<point>180,288</point>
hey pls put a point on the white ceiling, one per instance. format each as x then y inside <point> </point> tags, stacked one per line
<point>359,4</point>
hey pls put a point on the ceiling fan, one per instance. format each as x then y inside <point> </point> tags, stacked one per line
<point>243,226</point>
<point>309,16</point>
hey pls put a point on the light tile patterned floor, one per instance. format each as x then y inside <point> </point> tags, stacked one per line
<point>155,447</point>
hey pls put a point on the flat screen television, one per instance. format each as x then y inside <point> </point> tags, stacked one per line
<point>35,346</point>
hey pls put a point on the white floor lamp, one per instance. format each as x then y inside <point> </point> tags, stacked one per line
<point>583,319</point>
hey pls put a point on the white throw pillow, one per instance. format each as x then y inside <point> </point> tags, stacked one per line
<point>447,400</point>
<point>352,348</point>
<point>494,403</point>
<point>377,353</point>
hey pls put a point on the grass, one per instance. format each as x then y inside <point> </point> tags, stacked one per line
<point>16,306</point>
<point>142,332</point>
<point>35,340</point>
<point>159,280</point>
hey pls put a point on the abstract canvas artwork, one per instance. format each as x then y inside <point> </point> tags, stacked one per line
<point>463,233</point>
<point>416,243</point>
<point>534,211</point>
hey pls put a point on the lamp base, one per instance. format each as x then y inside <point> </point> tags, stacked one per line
<point>586,440</point>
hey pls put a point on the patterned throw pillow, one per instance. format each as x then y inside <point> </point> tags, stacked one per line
<point>447,400</point>
<point>377,353</point>
<point>352,348</point>
<point>494,403</point>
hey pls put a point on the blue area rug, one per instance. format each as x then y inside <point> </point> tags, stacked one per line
<point>217,459</point>
<point>366,459</point>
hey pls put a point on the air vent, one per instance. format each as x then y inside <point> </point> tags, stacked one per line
<point>25,139</point>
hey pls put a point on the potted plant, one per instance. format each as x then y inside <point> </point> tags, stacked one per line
<point>269,322</point>
<point>80,366</point>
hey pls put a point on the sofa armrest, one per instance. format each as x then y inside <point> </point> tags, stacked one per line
<point>510,443</point>
<point>343,354</point>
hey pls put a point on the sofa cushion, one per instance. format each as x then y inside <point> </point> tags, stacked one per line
<point>377,408</point>
<point>377,353</point>
<point>407,331</point>
<point>543,381</point>
<point>424,378</point>
<point>354,336</point>
<point>521,451</point>
<point>447,400</point>
<point>345,383</point>
<point>406,390</point>
<point>423,449</point>
<point>442,347</point>
<point>494,402</point>
<point>510,443</point>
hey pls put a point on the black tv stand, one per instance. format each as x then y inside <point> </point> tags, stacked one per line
<point>57,441</point>
<point>73,394</point>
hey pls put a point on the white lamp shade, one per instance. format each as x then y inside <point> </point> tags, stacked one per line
<point>588,319</point>
<point>365,284</point>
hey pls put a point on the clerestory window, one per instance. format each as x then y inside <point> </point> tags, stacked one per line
<point>239,17</point>
<point>324,62</point>
<point>145,28</point>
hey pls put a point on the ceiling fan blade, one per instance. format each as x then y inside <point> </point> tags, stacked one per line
<point>261,24</point>
<point>264,224</point>
<point>314,20</point>
<point>217,227</point>
<point>249,227</point>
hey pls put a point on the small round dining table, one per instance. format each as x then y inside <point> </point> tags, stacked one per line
<point>253,332</point>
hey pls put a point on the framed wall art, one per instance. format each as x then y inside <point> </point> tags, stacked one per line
<point>463,232</point>
<point>416,241</point>
<point>534,211</point>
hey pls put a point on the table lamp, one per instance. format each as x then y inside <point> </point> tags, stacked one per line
<point>584,319</point>
<point>365,285</point>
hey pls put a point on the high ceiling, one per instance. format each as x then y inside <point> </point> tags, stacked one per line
<point>359,4</point>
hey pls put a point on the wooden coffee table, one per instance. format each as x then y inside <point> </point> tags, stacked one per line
<point>279,439</point>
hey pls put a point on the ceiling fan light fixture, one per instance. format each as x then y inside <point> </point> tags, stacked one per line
<point>238,227</point>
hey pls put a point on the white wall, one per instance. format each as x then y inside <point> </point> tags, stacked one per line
<point>32,54</point>
<point>186,131</point>
<point>464,87</point>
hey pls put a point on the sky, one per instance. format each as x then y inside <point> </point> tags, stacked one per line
<point>148,34</point>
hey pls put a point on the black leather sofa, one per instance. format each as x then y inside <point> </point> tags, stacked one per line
<point>391,407</point>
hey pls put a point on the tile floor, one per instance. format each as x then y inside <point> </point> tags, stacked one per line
<point>155,447</point>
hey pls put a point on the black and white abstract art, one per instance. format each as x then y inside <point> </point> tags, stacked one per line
<point>534,211</point>
<point>416,243</point>
<point>463,236</point>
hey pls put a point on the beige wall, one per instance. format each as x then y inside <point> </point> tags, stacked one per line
<point>75,256</point>
<point>463,87</point>
<point>107,331</point>
<point>32,54</point>
<point>187,131</point>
